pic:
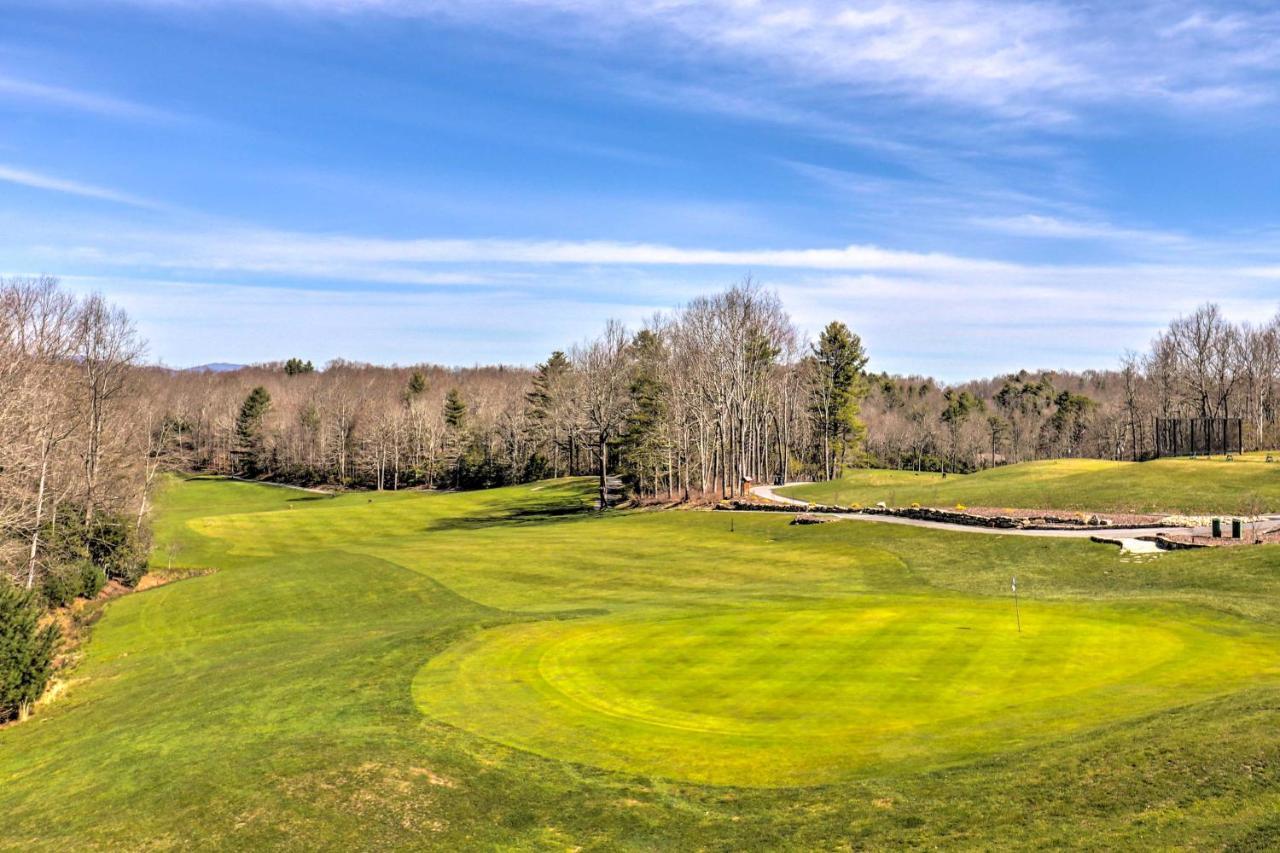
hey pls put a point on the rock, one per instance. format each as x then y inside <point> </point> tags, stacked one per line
<point>809,518</point>
<point>881,505</point>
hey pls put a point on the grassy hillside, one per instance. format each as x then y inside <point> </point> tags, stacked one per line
<point>1162,486</point>
<point>498,669</point>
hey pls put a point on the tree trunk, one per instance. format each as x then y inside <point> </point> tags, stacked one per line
<point>39,517</point>
<point>604,469</point>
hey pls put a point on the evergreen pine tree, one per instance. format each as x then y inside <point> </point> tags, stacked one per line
<point>643,448</point>
<point>838,362</point>
<point>249,430</point>
<point>959,406</point>
<point>455,410</point>
<point>26,650</point>
<point>545,400</point>
<point>455,418</point>
<point>296,366</point>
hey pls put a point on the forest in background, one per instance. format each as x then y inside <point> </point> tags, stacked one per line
<point>698,401</point>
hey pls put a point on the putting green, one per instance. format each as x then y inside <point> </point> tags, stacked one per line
<point>773,696</point>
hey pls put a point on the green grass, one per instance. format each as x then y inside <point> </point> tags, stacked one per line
<point>787,695</point>
<point>494,670</point>
<point>1204,485</point>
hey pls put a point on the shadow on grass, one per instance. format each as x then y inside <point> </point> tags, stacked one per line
<point>540,514</point>
<point>309,493</point>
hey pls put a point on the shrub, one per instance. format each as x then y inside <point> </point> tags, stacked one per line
<point>114,545</point>
<point>961,507</point>
<point>61,584</point>
<point>92,580</point>
<point>26,650</point>
<point>110,542</point>
<point>915,504</point>
<point>65,582</point>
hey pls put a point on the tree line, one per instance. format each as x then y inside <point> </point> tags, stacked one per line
<point>75,465</point>
<point>701,402</point>
<point>1201,365</point>
<point>698,404</point>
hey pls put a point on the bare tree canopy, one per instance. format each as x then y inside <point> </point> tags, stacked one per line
<point>699,402</point>
<point>73,439</point>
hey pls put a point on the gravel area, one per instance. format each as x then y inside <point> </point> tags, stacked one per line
<point>1069,519</point>
<point>1266,536</point>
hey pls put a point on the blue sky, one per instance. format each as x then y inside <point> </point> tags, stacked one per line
<point>973,186</point>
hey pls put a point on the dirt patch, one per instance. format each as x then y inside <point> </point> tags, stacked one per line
<point>809,518</point>
<point>433,778</point>
<point>160,577</point>
<point>990,517</point>
<point>1268,538</point>
<point>694,500</point>
<point>384,793</point>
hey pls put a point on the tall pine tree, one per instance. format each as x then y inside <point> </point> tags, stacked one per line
<point>455,419</point>
<point>547,406</point>
<point>838,386</point>
<point>250,432</point>
<point>644,449</point>
<point>959,407</point>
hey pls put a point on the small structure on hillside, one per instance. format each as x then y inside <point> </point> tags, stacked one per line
<point>1199,436</point>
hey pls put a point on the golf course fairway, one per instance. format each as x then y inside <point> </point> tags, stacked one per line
<point>510,669</point>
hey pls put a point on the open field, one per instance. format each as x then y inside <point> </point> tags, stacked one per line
<point>499,669</point>
<point>1205,485</point>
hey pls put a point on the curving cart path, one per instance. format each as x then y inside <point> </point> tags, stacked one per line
<point>1128,537</point>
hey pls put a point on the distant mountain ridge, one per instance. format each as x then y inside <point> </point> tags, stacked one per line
<point>214,367</point>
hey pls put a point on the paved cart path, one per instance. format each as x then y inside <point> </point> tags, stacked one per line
<point>1119,533</point>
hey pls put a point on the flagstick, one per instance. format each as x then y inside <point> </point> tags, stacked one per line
<point>1016,613</point>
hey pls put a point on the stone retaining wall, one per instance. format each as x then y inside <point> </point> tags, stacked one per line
<point>1168,544</point>
<point>944,516</point>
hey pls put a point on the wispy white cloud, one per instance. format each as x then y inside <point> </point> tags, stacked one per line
<point>346,256</point>
<point>446,299</point>
<point>14,88</point>
<point>1052,227</point>
<point>40,181</point>
<point>1034,61</point>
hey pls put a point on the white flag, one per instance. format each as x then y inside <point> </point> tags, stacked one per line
<point>1015,584</point>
